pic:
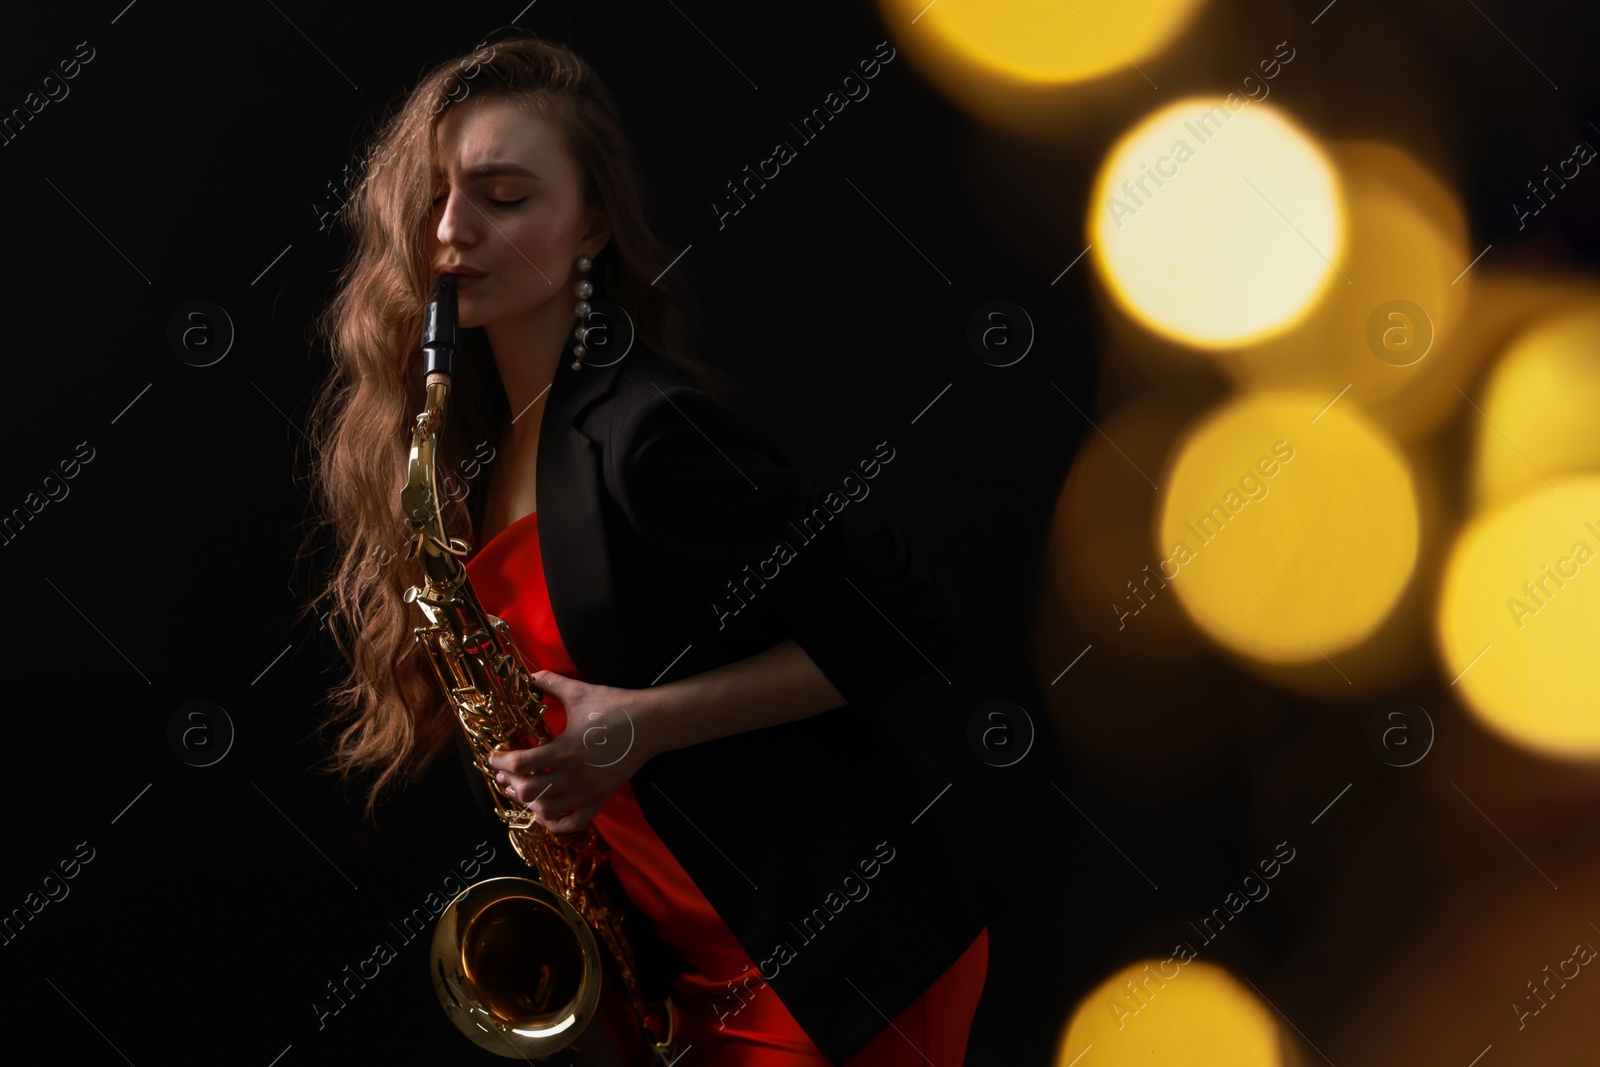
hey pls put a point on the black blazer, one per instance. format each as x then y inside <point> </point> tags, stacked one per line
<point>653,499</point>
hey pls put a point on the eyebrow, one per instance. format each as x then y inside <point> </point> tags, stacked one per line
<point>500,170</point>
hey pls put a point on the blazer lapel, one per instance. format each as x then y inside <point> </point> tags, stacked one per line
<point>572,537</point>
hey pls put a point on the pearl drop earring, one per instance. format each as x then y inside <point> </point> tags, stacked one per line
<point>584,290</point>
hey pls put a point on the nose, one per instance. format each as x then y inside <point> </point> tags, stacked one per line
<point>456,221</point>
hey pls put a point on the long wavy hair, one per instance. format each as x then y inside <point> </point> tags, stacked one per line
<point>391,718</point>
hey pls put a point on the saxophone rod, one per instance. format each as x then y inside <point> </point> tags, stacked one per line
<point>439,338</point>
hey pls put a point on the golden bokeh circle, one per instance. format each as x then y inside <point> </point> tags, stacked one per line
<point>1174,1010</point>
<point>1038,42</point>
<point>1215,222</point>
<point>1288,526</point>
<point>1539,407</point>
<point>1518,618</point>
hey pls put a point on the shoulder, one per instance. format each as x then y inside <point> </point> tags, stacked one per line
<point>681,462</point>
<point>642,371</point>
<point>638,383</point>
<point>652,403</point>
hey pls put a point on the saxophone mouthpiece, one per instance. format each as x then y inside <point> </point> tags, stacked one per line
<point>439,327</point>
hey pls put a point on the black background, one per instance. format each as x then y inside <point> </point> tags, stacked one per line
<point>187,163</point>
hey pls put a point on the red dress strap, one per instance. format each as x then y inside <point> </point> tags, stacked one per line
<point>730,1014</point>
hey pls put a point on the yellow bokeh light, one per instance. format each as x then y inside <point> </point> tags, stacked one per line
<point>1519,618</point>
<point>1177,1011</point>
<point>1215,222</point>
<point>1040,41</point>
<point>1388,331</point>
<point>1539,408</point>
<point>1288,527</point>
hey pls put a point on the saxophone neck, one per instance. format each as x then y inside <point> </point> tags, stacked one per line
<point>420,497</point>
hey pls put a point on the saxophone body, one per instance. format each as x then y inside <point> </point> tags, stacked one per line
<point>538,970</point>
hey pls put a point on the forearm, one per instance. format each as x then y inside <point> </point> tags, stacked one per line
<point>776,686</point>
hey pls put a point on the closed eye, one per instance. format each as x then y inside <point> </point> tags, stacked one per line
<point>497,203</point>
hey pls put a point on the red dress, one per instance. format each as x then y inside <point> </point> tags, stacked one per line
<point>508,576</point>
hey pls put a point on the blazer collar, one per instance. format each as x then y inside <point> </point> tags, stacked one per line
<point>578,565</point>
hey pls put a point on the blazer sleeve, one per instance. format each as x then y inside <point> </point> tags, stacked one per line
<point>710,492</point>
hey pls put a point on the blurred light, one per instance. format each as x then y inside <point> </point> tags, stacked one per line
<point>1174,1011</point>
<point>1390,328</point>
<point>1539,408</point>
<point>1106,616</point>
<point>1041,42</point>
<point>1099,560</point>
<point>1215,225</point>
<point>1288,527</point>
<point>1519,618</point>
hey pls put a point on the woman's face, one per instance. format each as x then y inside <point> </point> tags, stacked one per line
<point>508,203</point>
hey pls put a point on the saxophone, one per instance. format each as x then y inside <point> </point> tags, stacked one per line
<point>517,963</point>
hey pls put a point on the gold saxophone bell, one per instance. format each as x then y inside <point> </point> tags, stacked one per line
<point>516,968</point>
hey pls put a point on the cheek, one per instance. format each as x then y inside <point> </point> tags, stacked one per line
<point>531,249</point>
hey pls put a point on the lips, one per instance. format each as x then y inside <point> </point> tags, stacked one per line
<point>462,272</point>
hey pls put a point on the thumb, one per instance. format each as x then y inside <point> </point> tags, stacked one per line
<point>551,681</point>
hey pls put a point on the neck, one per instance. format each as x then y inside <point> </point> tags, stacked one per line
<point>527,352</point>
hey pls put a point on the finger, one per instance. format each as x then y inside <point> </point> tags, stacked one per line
<point>570,823</point>
<point>511,762</point>
<point>524,760</point>
<point>526,790</point>
<point>557,777</point>
<point>520,758</point>
<point>552,808</point>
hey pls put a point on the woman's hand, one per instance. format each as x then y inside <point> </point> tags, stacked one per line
<point>568,780</point>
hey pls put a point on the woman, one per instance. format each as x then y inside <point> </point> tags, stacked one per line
<point>755,805</point>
